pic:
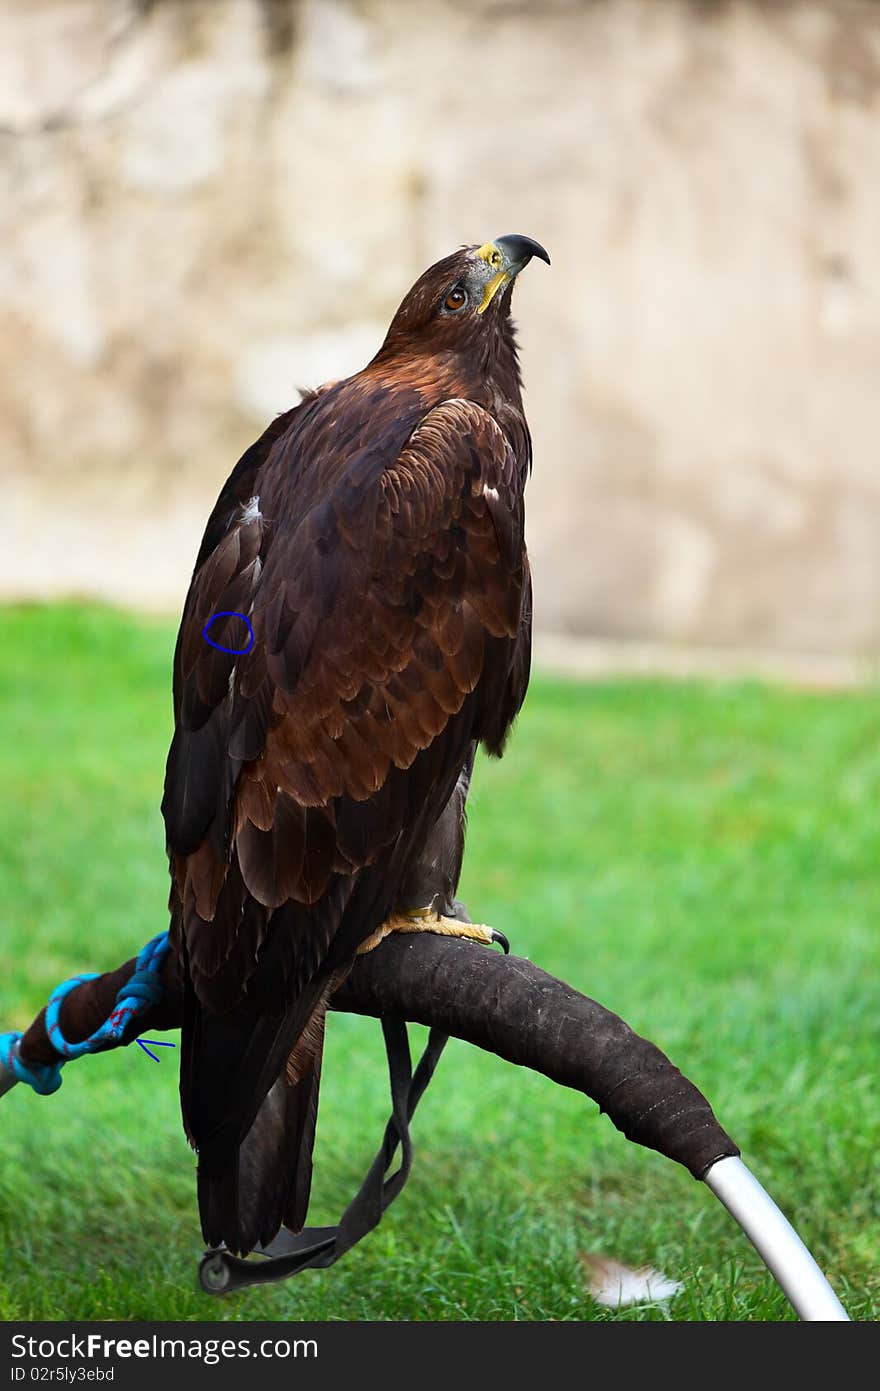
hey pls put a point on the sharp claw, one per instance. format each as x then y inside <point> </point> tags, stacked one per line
<point>502,941</point>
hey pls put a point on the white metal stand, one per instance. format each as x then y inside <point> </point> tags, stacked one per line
<point>775,1240</point>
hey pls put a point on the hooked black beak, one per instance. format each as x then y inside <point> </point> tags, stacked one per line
<point>503,260</point>
<point>518,251</point>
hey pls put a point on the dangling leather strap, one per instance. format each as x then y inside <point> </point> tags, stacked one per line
<point>318,1247</point>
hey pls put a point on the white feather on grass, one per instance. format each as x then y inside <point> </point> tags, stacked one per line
<point>614,1285</point>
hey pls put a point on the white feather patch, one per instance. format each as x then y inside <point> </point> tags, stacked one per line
<point>250,510</point>
<point>490,492</point>
<point>614,1285</point>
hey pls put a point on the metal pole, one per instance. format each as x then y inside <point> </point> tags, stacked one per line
<point>775,1240</point>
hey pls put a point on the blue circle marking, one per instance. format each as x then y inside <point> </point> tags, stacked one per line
<point>233,651</point>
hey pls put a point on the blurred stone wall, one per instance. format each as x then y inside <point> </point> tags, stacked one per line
<point>205,204</point>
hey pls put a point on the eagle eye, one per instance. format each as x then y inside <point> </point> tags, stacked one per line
<point>455,299</point>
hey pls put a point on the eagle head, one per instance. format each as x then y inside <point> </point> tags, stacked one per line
<point>462,303</point>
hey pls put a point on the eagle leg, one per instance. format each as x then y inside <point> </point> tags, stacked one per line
<point>429,920</point>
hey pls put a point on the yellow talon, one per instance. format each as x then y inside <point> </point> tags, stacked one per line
<point>426,920</point>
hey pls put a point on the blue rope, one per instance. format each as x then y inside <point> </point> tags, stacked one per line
<point>45,1078</point>
<point>140,992</point>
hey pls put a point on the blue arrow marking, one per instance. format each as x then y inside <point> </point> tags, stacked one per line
<point>155,1043</point>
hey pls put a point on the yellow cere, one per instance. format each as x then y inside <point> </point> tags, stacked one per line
<point>490,253</point>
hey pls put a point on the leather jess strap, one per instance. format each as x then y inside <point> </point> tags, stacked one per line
<point>313,1248</point>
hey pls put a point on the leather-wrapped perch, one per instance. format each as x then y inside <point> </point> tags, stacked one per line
<point>503,1004</point>
<point>509,1007</point>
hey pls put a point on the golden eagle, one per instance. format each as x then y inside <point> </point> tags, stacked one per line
<point>357,623</point>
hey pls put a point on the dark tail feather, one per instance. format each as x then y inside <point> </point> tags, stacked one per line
<point>218,1209</point>
<point>267,1182</point>
<point>302,1122</point>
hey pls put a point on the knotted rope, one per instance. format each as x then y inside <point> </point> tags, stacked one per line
<point>141,992</point>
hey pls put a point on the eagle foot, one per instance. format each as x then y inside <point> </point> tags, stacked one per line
<point>427,920</point>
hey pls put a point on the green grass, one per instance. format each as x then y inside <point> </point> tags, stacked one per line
<point>704,859</point>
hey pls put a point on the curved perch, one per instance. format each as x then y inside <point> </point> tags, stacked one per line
<point>512,1008</point>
